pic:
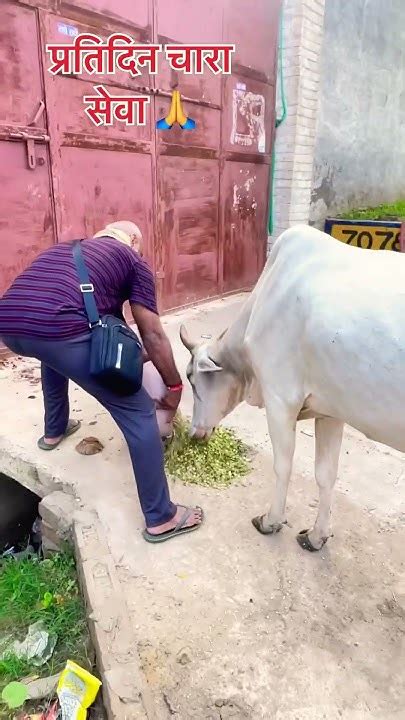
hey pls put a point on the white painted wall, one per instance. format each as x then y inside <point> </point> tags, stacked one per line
<point>295,138</point>
<point>360,143</point>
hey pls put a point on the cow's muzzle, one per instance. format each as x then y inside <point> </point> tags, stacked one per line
<point>199,433</point>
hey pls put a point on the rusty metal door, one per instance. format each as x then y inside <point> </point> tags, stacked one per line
<point>200,197</point>
<point>248,123</point>
<point>26,206</point>
<point>188,174</point>
<point>213,182</point>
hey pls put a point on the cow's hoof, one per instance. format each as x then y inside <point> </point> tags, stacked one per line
<point>257,522</point>
<point>304,541</point>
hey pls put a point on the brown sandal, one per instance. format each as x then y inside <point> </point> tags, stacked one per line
<point>72,427</point>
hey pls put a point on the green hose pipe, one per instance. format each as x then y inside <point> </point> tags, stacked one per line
<point>279,121</point>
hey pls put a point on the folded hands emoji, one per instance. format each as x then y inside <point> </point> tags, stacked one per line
<point>176,114</point>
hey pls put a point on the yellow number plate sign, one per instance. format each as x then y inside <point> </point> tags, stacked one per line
<point>368,234</point>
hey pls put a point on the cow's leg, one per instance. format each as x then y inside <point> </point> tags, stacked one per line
<point>281,423</point>
<point>328,441</point>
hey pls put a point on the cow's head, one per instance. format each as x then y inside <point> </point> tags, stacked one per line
<point>217,389</point>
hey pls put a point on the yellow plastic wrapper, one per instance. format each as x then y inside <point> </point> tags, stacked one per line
<point>77,690</point>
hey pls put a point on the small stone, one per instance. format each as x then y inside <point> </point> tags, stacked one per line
<point>41,688</point>
<point>183,657</point>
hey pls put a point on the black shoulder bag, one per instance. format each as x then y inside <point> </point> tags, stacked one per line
<point>116,352</point>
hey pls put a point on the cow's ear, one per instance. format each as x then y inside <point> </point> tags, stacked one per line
<point>206,364</point>
<point>186,340</point>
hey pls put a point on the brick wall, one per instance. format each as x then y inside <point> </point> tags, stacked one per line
<point>295,138</point>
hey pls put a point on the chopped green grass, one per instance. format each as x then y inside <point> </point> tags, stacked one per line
<point>381,212</point>
<point>216,463</point>
<point>47,590</point>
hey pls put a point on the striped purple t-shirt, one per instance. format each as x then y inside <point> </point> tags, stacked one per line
<point>45,300</point>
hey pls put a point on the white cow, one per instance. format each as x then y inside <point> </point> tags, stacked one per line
<point>321,336</point>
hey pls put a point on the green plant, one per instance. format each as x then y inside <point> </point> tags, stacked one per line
<point>14,695</point>
<point>381,212</point>
<point>47,590</point>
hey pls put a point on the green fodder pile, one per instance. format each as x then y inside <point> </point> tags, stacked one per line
<point>216,463</point>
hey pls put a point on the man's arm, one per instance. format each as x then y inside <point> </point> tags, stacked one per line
<point>159,351</point>
<point>157,344</point>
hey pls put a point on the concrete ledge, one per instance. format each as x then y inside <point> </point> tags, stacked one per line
<point>125,691</point>
<point>57,511</point>
<point>15,463</point>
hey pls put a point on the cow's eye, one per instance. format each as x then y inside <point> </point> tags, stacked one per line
<point>192,383</point>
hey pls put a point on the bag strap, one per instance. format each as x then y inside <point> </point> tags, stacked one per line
<point>86,287</point>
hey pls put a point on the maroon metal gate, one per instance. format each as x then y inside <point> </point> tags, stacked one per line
<point>199,197</point>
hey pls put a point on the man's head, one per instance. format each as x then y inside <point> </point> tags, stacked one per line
<point>126,232</point>
<point>217,389</point>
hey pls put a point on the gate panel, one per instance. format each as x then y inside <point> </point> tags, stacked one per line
<point>235,121</point>
<point>205,90</point>
<point>253,27</point>
<point>188,161</point>
<point>97,186</point>
<point>205,135</point>
<point>20,71</point>
<point>248,123</point>
<point>188,218</point>
<point>75,126</point>
<point>26,219</point>
<point>53,27</point>
<point>243,215</point>
<point>26,206</point>
<point>132,11</point>
<point>105,173</point>
<point>190,22</point>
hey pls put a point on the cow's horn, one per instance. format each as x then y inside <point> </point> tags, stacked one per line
<point>186,340</point>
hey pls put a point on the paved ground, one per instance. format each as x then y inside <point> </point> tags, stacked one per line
<point>231,624</point>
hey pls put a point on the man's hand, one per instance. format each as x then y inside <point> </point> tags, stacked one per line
<point>157,347</point>
<point>170,402</point>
